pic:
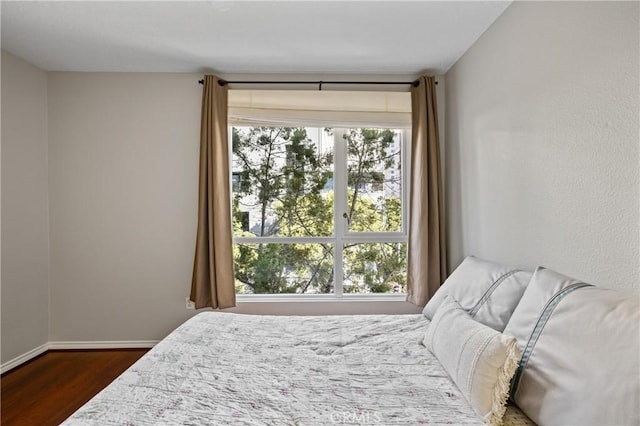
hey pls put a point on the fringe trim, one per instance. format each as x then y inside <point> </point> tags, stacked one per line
<point>501,388</point>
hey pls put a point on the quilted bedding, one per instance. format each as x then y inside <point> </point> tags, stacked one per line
<point>221,368</point>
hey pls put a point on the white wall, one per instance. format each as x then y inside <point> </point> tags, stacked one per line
<point>542,142</point>
<point>123,176</point>
<point>25,227</point>
<point>123,196</point>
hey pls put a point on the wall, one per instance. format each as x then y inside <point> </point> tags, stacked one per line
<point>25,223</point>
<point>123,198</point>
<point>542,142</point>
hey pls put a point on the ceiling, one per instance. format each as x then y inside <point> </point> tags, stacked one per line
<point>326,37</point>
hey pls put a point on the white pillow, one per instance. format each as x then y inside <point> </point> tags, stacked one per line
<point>480,360</point>
<point>544,284</point>
<point>580,345</point>
<point>488,291</point>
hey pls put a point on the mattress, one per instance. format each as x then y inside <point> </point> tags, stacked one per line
<point>222,368</point>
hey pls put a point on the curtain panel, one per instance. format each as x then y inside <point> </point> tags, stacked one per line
<point>426,262</point>
<point>213,278</point>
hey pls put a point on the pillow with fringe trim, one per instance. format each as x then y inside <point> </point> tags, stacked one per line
<point>480,360</point>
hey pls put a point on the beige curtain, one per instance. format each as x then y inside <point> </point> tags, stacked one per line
<point>213,279</point>
<point>426,263</point>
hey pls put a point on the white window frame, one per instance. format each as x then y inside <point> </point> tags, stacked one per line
<point>341,235</point>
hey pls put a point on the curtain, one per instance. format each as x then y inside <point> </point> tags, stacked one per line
<point>426,263</point>
<point>213,279</point>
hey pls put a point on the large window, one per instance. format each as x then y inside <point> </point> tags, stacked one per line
<point>319,210</point>
<point>319,191</point>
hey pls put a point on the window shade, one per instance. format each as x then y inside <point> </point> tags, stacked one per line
<point>319,108</point>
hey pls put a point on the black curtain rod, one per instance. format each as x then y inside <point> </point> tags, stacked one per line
<point>415,83</point>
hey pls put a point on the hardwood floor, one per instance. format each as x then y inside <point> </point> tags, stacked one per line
<point>51,387</point>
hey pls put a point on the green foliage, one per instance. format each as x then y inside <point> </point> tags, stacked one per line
<point>375,267</point>
<point>286,179</point>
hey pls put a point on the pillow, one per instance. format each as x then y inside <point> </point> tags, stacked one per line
<point>488,291</point>
<point>580,348</point>
<point>480,360</point>
<point>545,283</point>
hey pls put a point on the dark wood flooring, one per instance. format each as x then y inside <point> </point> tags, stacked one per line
<point>51,387</point>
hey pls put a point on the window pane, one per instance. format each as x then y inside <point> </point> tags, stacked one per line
<point>375,268</point>
<point>282,181</point>
<point>283,268</point>
<point>374,200</point>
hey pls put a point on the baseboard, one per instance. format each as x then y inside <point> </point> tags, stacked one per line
<point>110,344</point>
<point>23,358</point>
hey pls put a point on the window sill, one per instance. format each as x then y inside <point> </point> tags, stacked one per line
<point>324,298</point>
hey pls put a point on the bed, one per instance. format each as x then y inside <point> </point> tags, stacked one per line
<point>223,368</point>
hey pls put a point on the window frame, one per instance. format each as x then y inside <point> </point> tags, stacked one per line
<point>341,234</point>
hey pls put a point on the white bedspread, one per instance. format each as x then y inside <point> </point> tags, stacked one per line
<point>221,368</point>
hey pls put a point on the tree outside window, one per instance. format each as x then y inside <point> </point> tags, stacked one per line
<point>318,210</point>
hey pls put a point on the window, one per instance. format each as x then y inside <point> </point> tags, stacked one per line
<point>318,209</point>
<point>321,210</point>
<point>236,180</point>
<point>244,221</point>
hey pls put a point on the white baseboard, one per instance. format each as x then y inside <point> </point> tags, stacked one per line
<point>111,344</point>
<point>23,358</point>
<point>108,344</point>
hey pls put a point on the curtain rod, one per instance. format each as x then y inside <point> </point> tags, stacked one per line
<point>414,83</point>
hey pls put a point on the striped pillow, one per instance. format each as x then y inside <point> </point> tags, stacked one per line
<point>580,347</point>
<point>488,291</point>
